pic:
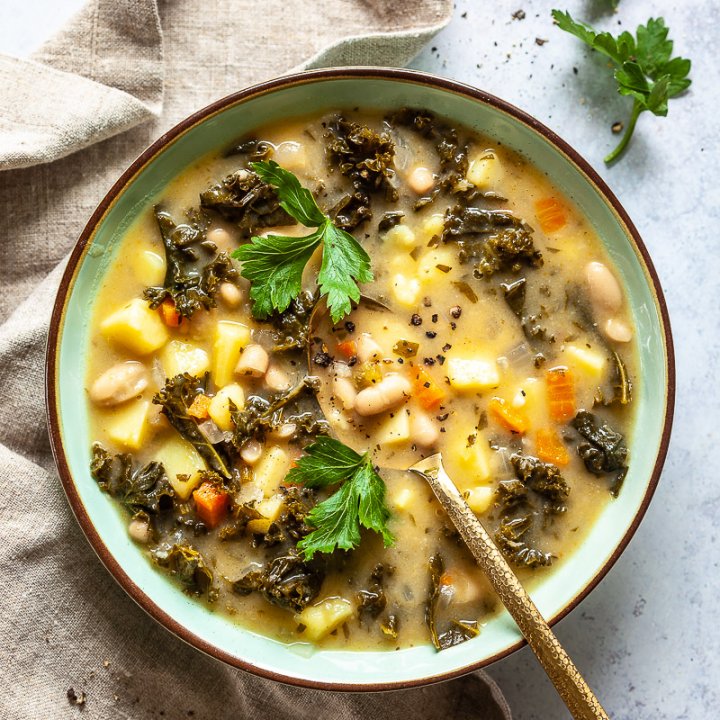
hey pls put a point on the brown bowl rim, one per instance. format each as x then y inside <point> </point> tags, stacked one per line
<point>67,281</point>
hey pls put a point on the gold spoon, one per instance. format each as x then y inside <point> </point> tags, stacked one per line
<point>566,678</point>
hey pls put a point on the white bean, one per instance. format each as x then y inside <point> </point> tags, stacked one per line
<point>253,362</point>
<point>222,239</point>
<point>285,431</point>
<point>277,379</point>
<point>231,295</point>
<point>388,393</point>
<point>367,348</point>
<point>345,392</point>
<point>423,428</point>
<point>420,179</point>
<point>139,530</point>
<point>251,451</point>
<point>119,383</point>
<point>605,291</point>
<point>617,330</point>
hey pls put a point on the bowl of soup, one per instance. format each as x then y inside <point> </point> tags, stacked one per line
<point>301,291</point>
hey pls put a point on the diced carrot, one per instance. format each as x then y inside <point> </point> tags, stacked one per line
<point>511,418</point>
<point>199,407</point>
<point>428,393</point>
<point>549,447</point>
<point>211,503</point>
<point>551,214</point>
<point>347,348</point>
<point>170,316</point>
<point>560,394</point>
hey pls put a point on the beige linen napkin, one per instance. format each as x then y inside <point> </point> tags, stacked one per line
<point>71,120</point>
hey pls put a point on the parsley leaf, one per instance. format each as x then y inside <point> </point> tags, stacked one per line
<point>274,265</point>
<point>344,261</point>
<point>360,500</point>
<point>644,67</point>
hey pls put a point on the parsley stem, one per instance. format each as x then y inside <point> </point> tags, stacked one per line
<point>620,149</point>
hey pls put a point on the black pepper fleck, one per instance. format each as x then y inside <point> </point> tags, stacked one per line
<point>416,320</point>
<point>434,318</point>
<point>456,311</point>
<point>431,334</point>
<point>350,326</point>
<point>429,361</point>
<point>322,359</point>
<point>440,359</point>
<point>446,347</point>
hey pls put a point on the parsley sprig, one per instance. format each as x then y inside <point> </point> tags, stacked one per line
<point>274,264</point>
<point>359,501</point>
<point>644,67</point>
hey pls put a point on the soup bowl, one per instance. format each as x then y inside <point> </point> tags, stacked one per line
<point>214,128</point>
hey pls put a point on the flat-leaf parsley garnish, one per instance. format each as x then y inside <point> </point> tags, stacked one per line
<point>644,67</point>
<point>274,264</point>
<point>359,501</point>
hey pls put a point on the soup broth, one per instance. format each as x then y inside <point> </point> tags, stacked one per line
<point>493,330</point>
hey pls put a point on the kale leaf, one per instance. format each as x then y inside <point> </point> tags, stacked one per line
<point>287,581</point>
<point>247,200</point>
<point>189,283</point>
<point>444,633</point>
<point>538,489</point>
<point>291,327</point>
<point>498,240</point>
<point>176,398</point>
<point>140,489</point>
<point>605,450</point>
<point>297,406</point>
<point>372,601</point>
<point>510,539</point>
<point>362,155</point>
<point>187,564</point>
<point>452,154</point>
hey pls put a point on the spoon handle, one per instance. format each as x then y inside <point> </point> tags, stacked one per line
<point>566,678</point>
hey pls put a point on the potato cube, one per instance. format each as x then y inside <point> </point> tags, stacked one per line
<point>400,236</point>
<point>324,617</point>
<point>270,507</point>
<point>129,425</point>
<point>590,363</point>
<point>485,171</point>
<point>406,290</point>
<point>407,497</point>
<point>179,357</point>
<point>432,227</point>
<point>258,526</point>
<point>271,469</point>
<point>469,463</point>
<point>148,267</point>
<point>395,429</point>
<point>435,264</point>
<point>179,457</point>
<point>230,338</point>
<point>472,374</point>
<point>480,498</point>
<point>219,408</point>
<point>291,155</point>
<point>135,327</point>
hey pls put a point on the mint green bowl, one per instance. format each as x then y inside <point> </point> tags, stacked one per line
<point>215,128</point>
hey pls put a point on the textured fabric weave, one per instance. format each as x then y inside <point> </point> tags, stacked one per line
<point>72,118</point>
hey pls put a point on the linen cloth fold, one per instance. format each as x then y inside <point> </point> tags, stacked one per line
<point>72,643</point>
